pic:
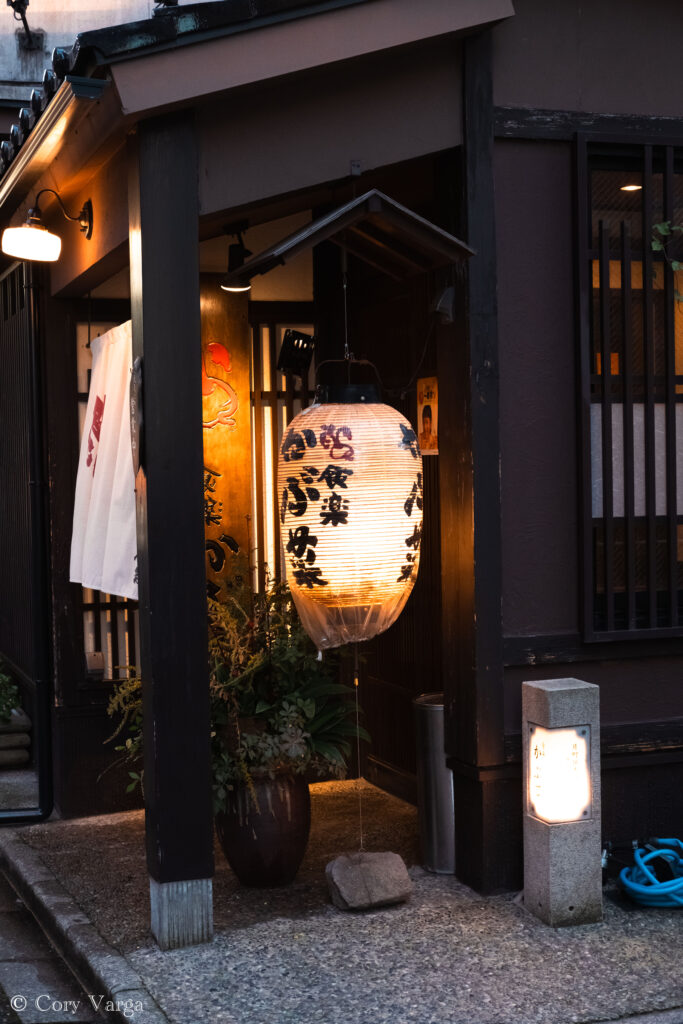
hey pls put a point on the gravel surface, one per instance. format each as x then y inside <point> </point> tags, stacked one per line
<point>100,861</point>
<point>448,956</point>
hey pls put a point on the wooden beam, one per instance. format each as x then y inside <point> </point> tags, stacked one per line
<point>470,515</point>
<point>531,123</point>
<point>164,272</point>
<point>477,729</point>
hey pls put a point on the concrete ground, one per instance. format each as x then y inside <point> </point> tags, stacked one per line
<point>18,788</point>
<point>35,985</point>
<point>449,956</point>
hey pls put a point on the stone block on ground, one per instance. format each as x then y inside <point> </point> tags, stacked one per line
<point>9,758</point>
<point>10,740</point>
<point>359,881</point>
<point>17,722</point>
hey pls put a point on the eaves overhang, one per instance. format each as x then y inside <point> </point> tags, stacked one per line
<point>57,123</point>
<point>190,24</point>
<point>159,77</point>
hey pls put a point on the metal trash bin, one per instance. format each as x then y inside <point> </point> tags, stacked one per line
<point>435,805</point>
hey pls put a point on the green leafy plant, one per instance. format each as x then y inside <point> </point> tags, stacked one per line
<point>665,235</point>
<point>125,703</point>
<point>9,695</point>
<point>276,705</point>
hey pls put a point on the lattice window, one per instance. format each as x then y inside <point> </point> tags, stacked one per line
<point>631,388</point>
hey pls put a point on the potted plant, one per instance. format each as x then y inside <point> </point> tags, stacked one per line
<point>9,696</point>
<point>15,725</point>
<point>278,716</point>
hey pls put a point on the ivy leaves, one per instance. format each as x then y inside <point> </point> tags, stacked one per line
<point>663,234</point>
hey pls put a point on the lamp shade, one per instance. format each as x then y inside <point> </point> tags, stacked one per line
<point>350,491</point>
<point>31,242</point>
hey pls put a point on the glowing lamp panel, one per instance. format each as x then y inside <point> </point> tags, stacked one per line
<point>559,774</point>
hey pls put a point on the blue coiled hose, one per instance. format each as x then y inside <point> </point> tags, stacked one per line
<point>642,884</point>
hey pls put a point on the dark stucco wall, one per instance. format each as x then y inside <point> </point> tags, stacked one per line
<point>599,56</point>
<point>632,690</point>
<point>539,448</point>
<point>537,393</point>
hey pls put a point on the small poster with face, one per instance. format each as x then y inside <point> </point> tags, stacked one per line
<point>428,415</point>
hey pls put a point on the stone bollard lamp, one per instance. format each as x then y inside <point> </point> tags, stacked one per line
<point>562,825</point>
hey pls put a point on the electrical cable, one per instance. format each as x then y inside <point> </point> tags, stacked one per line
<point>656,878</point>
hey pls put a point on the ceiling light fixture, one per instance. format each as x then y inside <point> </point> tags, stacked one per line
<point>32,241</point>
<point>631,188</point>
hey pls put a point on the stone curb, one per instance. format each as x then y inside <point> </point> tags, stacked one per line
<point>674,1016</point>
<point>99,968</point>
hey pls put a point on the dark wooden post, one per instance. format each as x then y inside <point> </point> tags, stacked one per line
<point>470,521</point>
<point>164,275</point>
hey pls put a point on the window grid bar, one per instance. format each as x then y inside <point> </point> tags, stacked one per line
<point>629,474</point>
<point>606,380</point>
<point>584,322</point>
<point>670,349</point>
<point>640,595</point>
<point>649,361</point>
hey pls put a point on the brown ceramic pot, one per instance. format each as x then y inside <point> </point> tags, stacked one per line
<point>263,833</point>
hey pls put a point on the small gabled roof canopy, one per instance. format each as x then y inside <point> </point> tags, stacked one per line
<point>377,230</point>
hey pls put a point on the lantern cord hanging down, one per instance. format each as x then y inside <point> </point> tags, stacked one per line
<point>359,786</point>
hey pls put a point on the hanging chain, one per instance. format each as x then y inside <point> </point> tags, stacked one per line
<point>359,782</point>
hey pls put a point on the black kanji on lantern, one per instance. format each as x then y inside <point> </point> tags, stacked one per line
<point>408,569</point>
<point>415,496</point>
<point>409,441</point>
<point>335,510</point>
<point>335,476</point>
<point>301,490</point>
<point>416,536</point>
<point>331,439</point>
<point>301,543</point>
<point>295,444</point>
<point>307,575</point>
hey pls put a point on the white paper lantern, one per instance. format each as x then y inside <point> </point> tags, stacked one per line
<point>350,486</point>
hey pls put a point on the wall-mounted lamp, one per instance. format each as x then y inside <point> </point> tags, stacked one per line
<point>32,241</point>
<point>237,254</point>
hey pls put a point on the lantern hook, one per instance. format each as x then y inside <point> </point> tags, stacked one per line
<point>350,361</point>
